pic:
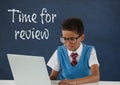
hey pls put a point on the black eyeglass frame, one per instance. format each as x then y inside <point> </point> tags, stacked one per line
<point>70,39</point>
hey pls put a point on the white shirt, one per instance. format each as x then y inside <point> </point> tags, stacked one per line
<point>55,64</point>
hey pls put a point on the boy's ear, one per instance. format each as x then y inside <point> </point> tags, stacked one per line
<point>82,37</point>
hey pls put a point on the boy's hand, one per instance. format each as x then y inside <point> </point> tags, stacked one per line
<point>67,82</point>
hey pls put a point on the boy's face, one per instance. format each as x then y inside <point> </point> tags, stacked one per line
<point>71,39</point>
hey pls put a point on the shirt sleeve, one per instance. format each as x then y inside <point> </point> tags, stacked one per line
<point>53,62</point>
<point>93,58</point>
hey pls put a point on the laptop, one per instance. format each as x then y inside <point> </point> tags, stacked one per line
<point>29,70</point>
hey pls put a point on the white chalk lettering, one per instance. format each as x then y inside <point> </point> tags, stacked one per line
<point>22,17</point>
<point>13,13</point>
<point>48,18</point>
<point>43,34</point>
<point>22,34</point>
<point>19,17</point>
<point>32,34</point>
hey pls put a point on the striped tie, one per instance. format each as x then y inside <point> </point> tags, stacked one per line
<point>74,55</point>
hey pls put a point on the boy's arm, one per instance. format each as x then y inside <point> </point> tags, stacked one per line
<point>94,77</point>
<point>53,75</point>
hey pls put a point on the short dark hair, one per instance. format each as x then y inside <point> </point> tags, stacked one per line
<point>73,24</point>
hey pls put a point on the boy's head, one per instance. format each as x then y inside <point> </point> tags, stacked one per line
<point>73,24</point>
<point>72,33</point>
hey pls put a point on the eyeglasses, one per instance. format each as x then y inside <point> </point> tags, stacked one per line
<point>71,39</point>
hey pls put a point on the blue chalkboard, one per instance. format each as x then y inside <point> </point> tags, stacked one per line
<point>33,27</point>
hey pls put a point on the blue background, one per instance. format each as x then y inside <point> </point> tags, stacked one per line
<point>101,19</point>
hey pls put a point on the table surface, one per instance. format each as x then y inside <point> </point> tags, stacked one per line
<point>11,82</point>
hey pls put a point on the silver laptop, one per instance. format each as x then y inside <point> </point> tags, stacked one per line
<point>29,70</point>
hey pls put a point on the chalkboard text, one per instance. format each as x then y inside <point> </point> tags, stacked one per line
<point>24,18</point>
<point>44,17</point>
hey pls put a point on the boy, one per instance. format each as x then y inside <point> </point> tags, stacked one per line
<point>74,62</point>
